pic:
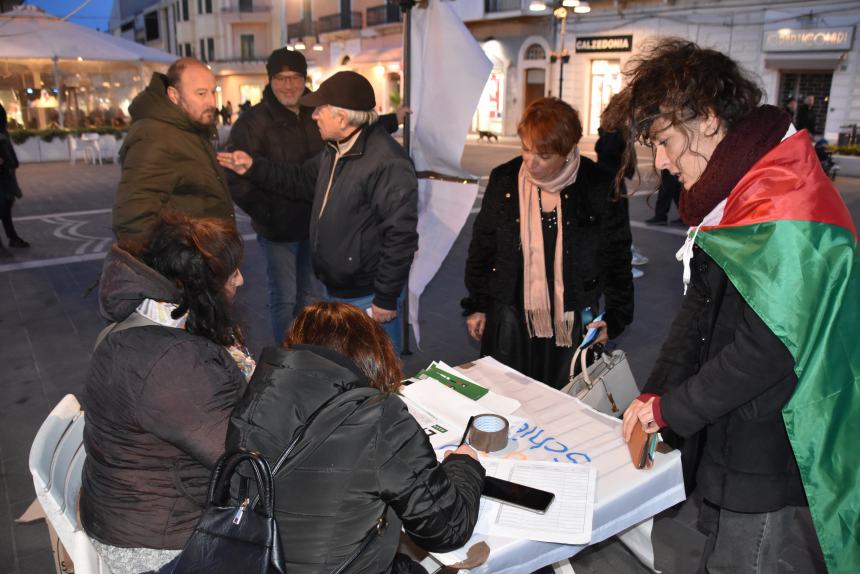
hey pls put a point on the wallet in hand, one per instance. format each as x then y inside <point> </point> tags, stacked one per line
<point>642,446</point>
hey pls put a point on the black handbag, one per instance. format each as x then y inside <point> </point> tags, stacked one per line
<point>238,538</point>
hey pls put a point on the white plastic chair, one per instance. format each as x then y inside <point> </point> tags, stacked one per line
<point>56,462</point>
<point>92,148</point>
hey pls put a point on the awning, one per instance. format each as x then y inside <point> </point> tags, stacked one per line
<point>28,33</point>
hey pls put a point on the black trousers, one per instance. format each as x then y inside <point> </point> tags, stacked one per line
<point>6,217</point>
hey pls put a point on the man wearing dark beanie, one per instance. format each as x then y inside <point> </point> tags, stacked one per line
<point>280,129</point>
<point>365,199</point>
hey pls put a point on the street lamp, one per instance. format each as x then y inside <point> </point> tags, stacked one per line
<point>560,13</point>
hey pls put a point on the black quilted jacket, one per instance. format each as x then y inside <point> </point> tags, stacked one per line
<point>377,462</point>
<point>157,401</point>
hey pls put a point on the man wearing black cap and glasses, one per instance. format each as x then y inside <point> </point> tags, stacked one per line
<point>281,130</point>
<point>365,199</point>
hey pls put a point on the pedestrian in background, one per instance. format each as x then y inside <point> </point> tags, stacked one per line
<point>669,192</point>
<point>805,118</point>
<point>610,148</point>
<point>281,130</point>
<point>756,382</point>
<point>365,200</point>
<point>168,161</point>
<point>9,188</point>
<point>548,243</point>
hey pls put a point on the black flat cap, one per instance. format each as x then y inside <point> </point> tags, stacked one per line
<point>347,90</point>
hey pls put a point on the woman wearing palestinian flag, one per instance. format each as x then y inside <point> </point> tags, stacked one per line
<point>758,382</point>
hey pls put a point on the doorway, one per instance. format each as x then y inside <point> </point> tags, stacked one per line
<point>535,85</point>
<point>799,84</point>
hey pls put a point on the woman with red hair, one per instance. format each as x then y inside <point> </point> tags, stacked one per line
<point>368,467</point>
<point>548,243</point>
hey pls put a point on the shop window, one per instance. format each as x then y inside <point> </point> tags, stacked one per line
<point>605,83</point>
<point>247,43</point>
<point>150,24</point>
<point>251,93</point>
<point>535,52</point>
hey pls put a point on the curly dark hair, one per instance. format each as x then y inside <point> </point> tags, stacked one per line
<point>199,255</point>
<point>351,332</point>
<point>680,81</point>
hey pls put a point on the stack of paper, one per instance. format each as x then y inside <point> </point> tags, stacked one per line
<point>566,521</point>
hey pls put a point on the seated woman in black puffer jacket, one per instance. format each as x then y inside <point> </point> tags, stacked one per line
<point>158,396</point>
<point>377,462</point>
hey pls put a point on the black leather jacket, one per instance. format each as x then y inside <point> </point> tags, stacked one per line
<point>377,462</point>
<point>272,131</point>
<point>364,241</point>
<point>724,378</point>
<point>596,246</point>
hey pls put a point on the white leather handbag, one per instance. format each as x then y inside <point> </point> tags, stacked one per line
<point>606,386</point>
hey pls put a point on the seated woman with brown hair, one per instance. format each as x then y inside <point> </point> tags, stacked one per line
<point>160,390</point>
<point>372,464</point>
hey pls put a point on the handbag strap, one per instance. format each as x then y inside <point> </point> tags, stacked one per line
<point>219,484</point>
<point>135,319</point>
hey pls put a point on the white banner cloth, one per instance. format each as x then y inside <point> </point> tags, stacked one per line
<point>560,428</point>
<point>448,72</point>
<point>443,208</point>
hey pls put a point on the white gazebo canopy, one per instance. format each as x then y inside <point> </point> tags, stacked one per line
<point>37,44</point>
<point>28,33</point>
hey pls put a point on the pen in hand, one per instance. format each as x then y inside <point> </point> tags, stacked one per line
<point>466,432</point>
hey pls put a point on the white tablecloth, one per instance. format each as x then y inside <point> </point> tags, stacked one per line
<point>559,427</point>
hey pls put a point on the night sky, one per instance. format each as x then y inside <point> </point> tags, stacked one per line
<point>94,15</point>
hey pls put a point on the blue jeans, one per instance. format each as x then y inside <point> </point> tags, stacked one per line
<point>292,284</point>
<point>394,328</point>
<point>741,543</point>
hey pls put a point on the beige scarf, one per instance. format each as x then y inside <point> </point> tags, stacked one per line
<point>535,288</point>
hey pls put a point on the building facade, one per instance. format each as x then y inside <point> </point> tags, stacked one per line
<point>794,48</point>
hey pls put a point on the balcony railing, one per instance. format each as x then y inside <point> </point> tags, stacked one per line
<point>384,14</point>
<point>245,9</point>
<point>339,21</point>
<point>301,29</point>
<point>502,5</point>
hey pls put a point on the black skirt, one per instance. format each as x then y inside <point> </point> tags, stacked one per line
<point>506,337</point>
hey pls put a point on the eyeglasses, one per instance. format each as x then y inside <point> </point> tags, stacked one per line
<point>292,79</point>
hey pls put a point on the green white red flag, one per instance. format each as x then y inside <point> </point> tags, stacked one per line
<point>788,244</point>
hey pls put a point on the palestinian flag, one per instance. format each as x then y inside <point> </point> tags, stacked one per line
<point>787,242</point>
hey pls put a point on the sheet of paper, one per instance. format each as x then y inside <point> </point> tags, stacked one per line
<point>568,519</point>
<point>495,402</point>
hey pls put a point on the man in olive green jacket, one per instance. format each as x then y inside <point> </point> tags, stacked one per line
<point>168,161</point>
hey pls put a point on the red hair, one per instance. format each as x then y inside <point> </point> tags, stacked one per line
<point>550,125</point>
<point>348,330</point>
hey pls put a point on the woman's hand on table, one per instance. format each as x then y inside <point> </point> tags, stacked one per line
<point>642,413</point>
<point>475,324</point>
<point>463,449</point>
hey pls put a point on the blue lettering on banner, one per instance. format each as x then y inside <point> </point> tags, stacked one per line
<point>549,444</point>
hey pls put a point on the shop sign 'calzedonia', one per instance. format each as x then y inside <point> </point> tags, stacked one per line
<point>604,43</point>
<point>796,40</point>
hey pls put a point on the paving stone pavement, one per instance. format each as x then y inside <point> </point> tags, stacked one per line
<point>49,320</point>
